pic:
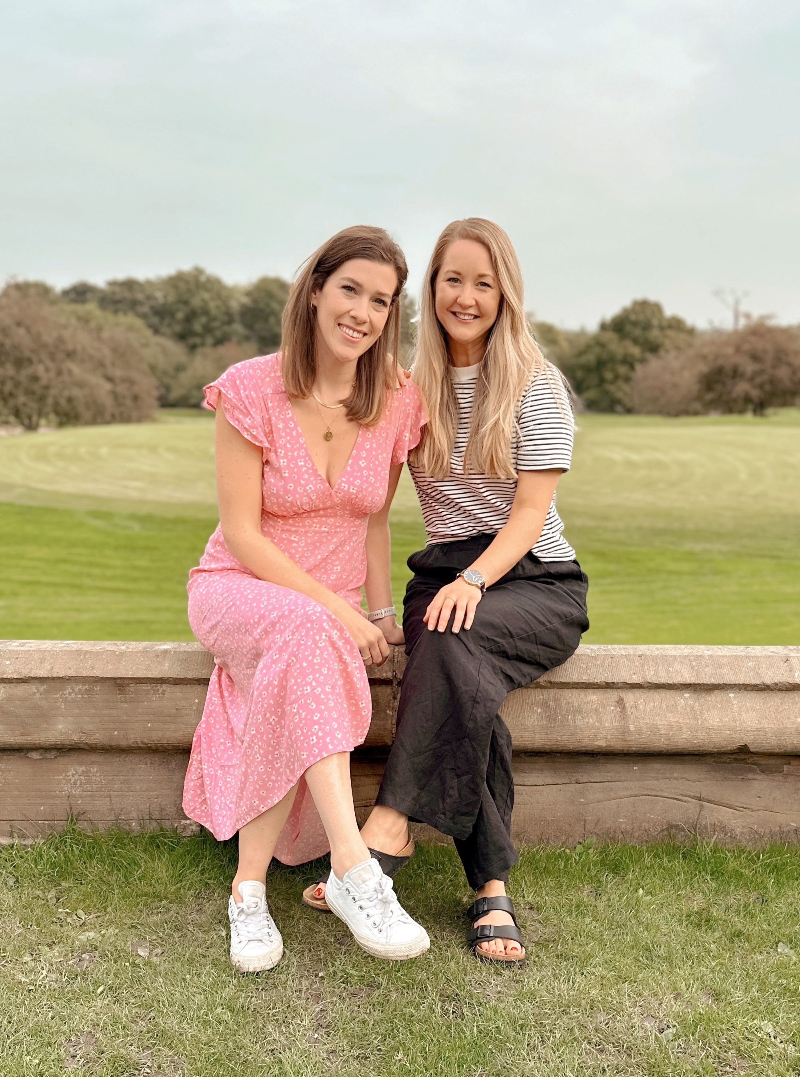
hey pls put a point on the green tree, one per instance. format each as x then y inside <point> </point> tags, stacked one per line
<point>195,308</point>
<point>601,369</point>
<point>645,324</point>
<point>83,291</point>
<point>559,345</point>
<point>206,365</point>
<point>261,310</point>
<point>128,295</point>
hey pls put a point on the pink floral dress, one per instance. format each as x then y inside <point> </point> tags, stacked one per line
<point>289,685</point>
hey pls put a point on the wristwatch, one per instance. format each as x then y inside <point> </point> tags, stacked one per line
<point>471,575</point>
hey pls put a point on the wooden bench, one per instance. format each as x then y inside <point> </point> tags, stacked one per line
<point>621,742</point>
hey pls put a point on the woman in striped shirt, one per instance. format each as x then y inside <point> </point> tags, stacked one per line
<point>497,597</point>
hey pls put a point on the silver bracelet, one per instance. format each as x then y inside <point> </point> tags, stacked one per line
<point>387,611</point>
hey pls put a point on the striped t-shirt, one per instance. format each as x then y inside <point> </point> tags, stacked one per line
<point>463,505</point>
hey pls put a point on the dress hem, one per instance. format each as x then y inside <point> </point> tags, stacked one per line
<point>289,787</point>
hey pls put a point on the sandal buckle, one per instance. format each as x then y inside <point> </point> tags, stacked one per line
<point>484,931</point>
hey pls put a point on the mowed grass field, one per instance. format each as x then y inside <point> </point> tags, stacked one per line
<point>665,961</point>
<point>689,529</point>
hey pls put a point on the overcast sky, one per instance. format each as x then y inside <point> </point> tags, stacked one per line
<point>641,148</point>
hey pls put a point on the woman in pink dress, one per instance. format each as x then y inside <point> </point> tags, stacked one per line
<point>309,445</point>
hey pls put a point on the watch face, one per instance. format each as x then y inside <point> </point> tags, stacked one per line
<point>471,575</point>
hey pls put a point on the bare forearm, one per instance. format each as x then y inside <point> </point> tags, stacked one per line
<point>511,542</point>
<point>378,584</point>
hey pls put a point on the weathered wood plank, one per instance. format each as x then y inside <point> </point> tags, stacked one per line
<point>592,664</point>
<point>610,665</point>
<point>162,715</point>
<point>661,720</point>
<point>561,799</point>
<point>20,659</point>
<point>117,713</point>
<point>82,659</point>
<point>135,790</point>
<point>132,789</point>
<point>740,799</point>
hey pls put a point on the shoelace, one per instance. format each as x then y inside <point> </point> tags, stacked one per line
<point>252,927</point>
<point>381,901</point>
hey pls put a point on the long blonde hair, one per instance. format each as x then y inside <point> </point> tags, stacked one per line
<point>511,362</point>
<point>375,373</point>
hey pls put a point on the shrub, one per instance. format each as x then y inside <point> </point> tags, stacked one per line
<point>601,370</point>
<point>56,367</point>
<point>261,310</point>
<point>666,385</point>
<point>204,366</point>
<point>559,345</point>
<point>748,370</point>
<point>751,369</point>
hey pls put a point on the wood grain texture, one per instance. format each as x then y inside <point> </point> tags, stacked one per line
<point>560,799</point>
<point>736,799</point>
<point>117,713</point>
<point>21,659</point>
<point>592,664</point>
<point>623,743</point>
<point>660,720</point>
<point>135,790</point>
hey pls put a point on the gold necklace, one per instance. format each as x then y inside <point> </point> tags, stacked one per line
<point>328,435</point>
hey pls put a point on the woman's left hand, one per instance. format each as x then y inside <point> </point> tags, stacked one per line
<point>458,597</point>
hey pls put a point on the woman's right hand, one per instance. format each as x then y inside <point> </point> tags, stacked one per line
<point>369,639</point>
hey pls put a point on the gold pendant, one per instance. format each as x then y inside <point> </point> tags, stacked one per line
<point>328,435</point>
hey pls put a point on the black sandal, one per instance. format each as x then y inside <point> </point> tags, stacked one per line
<point>390,865</point>
<point>484,932</point>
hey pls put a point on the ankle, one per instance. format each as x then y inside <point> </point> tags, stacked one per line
<point>492,888</point>
<point>241,877</point>
<point>386,830</point>
<point>346,857</point>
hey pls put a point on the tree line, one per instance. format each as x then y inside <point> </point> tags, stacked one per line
<point>648,362</point>
<point>116,352</point>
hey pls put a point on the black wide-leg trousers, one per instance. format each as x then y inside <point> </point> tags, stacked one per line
<point>450,764</point>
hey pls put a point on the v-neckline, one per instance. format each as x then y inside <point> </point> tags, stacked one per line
<point>308,453</point>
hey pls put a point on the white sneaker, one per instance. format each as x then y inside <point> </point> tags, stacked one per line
<point>256,943</point>
<point>366,901</point>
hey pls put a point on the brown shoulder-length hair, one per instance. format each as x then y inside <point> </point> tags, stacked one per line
<point>375,373</point>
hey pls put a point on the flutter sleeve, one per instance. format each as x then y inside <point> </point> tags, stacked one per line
<point>546,425</point>
<point>412,417</point>
<point>241,391</point>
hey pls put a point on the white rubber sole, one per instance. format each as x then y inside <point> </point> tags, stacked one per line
<point>258,964</point>
<point>400,951</point>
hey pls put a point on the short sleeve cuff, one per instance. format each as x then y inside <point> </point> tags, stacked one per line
<point>239,409</point>
<point>412,420</point>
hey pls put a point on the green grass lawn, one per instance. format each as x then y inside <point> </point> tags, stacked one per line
<point>665,961</point>
<point>689,529</point>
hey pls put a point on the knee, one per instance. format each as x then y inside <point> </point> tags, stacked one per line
<point>445,649</point>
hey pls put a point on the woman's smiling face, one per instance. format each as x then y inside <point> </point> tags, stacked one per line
<point>352,307</point>
<point>467,294</point>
